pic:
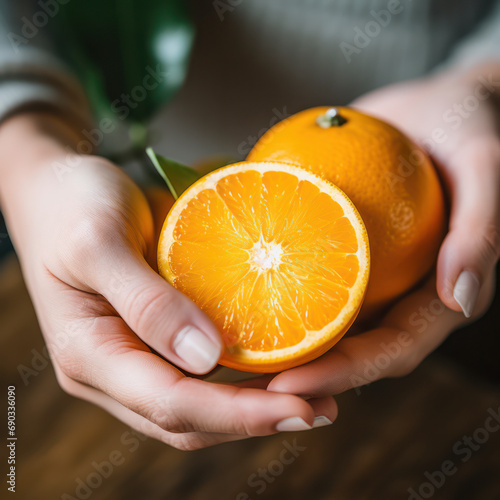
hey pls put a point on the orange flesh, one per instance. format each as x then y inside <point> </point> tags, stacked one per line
<point>267,256</point>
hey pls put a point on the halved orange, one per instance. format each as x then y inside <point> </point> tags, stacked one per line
<point>277,257</point>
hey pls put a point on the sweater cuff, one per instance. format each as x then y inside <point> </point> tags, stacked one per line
<point>35,80</point>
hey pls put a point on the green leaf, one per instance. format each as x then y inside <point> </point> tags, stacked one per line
<point>178,177</point>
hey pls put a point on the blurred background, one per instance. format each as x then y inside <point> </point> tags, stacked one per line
<point>251,66</point>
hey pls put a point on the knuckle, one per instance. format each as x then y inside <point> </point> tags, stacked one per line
<point>165,413</point>
<point>68,385</point>
<point>86,238</point>
<point>185,442</point>
<point>147,307</point>
<point>67,347</point>
<point>243,423</point>
<point>91,232</point>
<point>168,421</point>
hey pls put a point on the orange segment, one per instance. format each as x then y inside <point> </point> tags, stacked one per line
<point>242,196</point>
<point>277,257</point>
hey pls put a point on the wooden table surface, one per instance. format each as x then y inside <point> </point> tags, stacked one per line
<point>391,437</point>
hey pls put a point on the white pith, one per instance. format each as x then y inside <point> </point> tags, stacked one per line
<point>265,255</point>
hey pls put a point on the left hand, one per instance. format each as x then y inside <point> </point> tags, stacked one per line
<point>453,115</point>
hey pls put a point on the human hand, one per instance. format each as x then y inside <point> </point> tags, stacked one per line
<point>86,239</point>
<point>454,116</point>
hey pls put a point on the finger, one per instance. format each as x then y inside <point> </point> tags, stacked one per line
<point>471,249</point>
<point>186,441</point>
<point>109,357</point>
<point>325,410</point>
<point>413,329</point>
<point>160,315</point>
<point>103,352</point>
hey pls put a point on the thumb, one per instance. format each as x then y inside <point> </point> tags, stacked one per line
<point>471,249</point>
<point>161,316</point>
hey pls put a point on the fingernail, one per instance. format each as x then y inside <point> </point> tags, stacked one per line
<point>466,292</point>
<point>292,424</point>
<point>196,349</point>
<point>321,421</point>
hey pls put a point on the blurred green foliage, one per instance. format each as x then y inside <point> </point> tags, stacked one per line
<point>130,55</point>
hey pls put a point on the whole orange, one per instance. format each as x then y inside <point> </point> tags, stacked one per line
<point>391,181</point>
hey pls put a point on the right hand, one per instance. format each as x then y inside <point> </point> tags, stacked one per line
<point>86,241</point>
